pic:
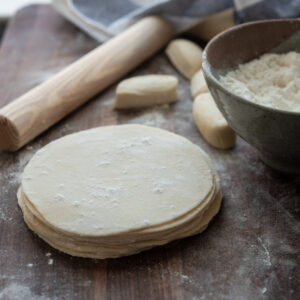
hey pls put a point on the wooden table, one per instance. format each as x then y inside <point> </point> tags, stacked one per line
<point>250,250</point>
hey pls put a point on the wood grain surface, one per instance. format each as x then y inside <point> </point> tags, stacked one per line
<point>249,251</point>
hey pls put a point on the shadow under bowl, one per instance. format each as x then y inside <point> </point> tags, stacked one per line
<point>274,133</point>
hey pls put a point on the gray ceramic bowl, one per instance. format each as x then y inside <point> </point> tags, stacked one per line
<point>274,133</point>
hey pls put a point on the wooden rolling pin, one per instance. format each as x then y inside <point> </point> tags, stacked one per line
<point>34,112</point>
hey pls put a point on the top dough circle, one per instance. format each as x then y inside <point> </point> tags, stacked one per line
<point>115,179</point>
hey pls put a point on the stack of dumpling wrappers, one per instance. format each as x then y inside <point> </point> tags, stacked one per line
<point>117,190</point>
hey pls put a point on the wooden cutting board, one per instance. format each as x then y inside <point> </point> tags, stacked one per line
<point>250,250</point>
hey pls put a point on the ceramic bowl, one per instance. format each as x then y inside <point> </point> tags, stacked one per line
<point>274,133</point>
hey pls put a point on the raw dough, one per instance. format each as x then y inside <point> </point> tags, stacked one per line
<point>186,56</point>
<point>118,190</point>
<point>213,25</point>
<point>198,84</point>
<point>94,250</point>
<point>147,90</point>
<point>210,122</point>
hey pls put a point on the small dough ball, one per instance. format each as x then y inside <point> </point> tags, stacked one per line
<point>198,84</point>
<point>147,90</point>
<point>213,25</point>
<point>210,122</point>
<point>186,56</point>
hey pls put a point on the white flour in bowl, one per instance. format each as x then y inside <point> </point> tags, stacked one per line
<point>272,80</point>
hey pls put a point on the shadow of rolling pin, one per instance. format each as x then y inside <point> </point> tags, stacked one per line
<point>34,112</point>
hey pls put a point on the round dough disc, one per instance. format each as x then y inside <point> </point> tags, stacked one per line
<point>116,179</point>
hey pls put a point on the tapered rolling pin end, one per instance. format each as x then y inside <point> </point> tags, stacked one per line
<point>9,135</point>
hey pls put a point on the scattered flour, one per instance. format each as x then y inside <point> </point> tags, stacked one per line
<point>185,279</point>
<point>264,290</point>
<point>267,253</point>
<point>153,116</point>
<point>16,291</point>
<point>10,172</point>
<point>271,80</point>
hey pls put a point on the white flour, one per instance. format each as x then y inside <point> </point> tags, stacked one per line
<point>272,80</point>
<point>16,291</point>
<point>12,178</point>
<point>152,116</point>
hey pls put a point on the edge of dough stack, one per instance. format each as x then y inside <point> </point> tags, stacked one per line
<point>118,190</point>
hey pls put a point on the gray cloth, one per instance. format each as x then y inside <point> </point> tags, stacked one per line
<point>103,19</point>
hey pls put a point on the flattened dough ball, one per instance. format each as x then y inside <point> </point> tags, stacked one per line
<point>210,122</point>
<point>118,176</point>
<point>147,90</point>
<point>117,190</point>
<point>186,56</point>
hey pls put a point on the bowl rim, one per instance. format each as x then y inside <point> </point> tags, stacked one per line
<point>206,66</point>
